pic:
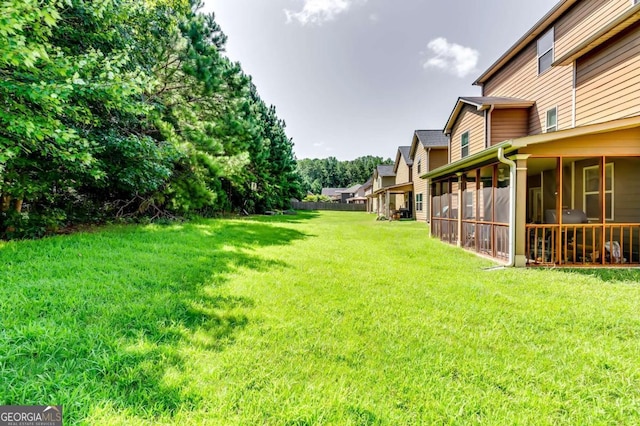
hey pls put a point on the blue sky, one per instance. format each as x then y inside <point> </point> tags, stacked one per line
<point>357,77</point>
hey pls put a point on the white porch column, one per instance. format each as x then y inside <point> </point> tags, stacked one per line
<point>460,208</point>
<point>520,258</point>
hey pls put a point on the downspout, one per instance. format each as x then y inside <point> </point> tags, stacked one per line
<point>488,136</point>
<point>512,205</point>
<point>427,168</point>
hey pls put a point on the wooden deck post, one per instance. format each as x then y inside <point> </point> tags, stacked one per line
<point>386,205</point>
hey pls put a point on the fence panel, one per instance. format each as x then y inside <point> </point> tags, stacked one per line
<point>329,206</point>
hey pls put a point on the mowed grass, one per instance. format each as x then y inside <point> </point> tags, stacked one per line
<point>319,318</point>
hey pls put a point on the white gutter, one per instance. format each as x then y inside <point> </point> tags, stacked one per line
<point>512,205</point>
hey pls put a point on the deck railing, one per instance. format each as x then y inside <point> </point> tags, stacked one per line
<point>592,244</point>
<point>489,238</point>
<point>446,229</point>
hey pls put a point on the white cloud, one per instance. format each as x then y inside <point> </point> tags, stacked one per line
<point>451,57</point>
<point>319,11</point>
<point>374,17</point>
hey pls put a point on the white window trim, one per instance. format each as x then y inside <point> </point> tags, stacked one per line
<point>468,133</point>
<point>419,166</point>
<point>552,50</point>
<point>419,202</point>
<point>546,123</point>
<point>610,191</point>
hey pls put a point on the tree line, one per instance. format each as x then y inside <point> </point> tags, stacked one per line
<point>125,108</point>
<point>316,174</point>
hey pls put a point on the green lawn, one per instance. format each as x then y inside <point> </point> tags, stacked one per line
<point>319,318</point>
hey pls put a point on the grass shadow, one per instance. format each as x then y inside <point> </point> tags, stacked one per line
<point>300,216</point>
<point>608,274</point>
<point>103,319</point>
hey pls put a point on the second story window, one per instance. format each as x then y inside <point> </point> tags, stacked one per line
<point>545,51</point>
<point>419,166</point>
<point>552,120</point>
<point>464,145</point>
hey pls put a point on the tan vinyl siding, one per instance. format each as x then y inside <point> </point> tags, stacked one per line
<point>377,183</point>
<point>388,181</point>
<point>402,174</point>
<point>509,124</point>
<point>419,184</point>
<point>437,158</point>
<point>469,120</point>
<point>553,88</point>
<point>608,81</point>
<point>584,19</point>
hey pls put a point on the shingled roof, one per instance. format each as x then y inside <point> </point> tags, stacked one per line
<point>332,192</point>
<point>385,170</point>
<point>432,138</point>
<point>404,150</point>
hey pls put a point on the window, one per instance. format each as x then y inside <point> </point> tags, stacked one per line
<point>591,190</point>
<point>545,51</point>
<point>464,145</point>
<point>552,120</point>
<point>419,202</point>
<point>419,166</point>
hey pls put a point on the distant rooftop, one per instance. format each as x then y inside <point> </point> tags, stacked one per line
<point>350,190</point>
<point>332,192</point>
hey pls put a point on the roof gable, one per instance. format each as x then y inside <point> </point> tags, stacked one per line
<point>403,152</point>
<point>483,103</point>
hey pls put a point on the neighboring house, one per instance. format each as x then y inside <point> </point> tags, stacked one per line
<point>334,193</point>
<point>544,166</point>
<point>400,193</point>
<point>349,193</point>
<point>428,151</point>
<point>359,196</point>
<point>372,200</point>
<point>383,177</point>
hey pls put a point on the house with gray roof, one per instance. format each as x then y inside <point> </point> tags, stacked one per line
<point>429,150</point>
<point>399,196</point>
<point>383,176</point>
<point>334,193</point>
<point>349,193</point>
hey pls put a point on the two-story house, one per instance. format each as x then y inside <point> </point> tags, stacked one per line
<point>367,189</point>
<point>347,195</point>
<point>399,195</point>
<point>544,166</point>
<point>383,177</point>
<point>358,196</point>
<point>428,151</point>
